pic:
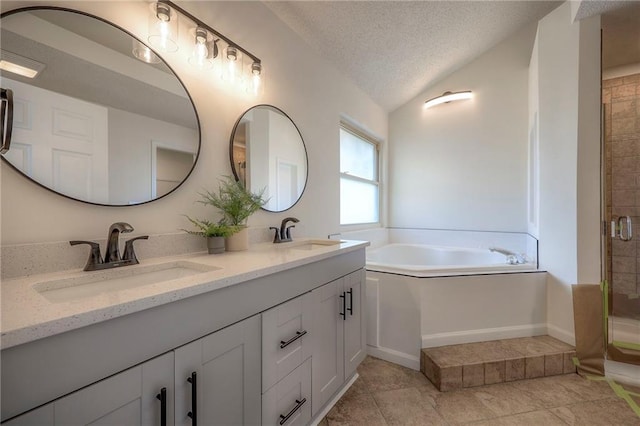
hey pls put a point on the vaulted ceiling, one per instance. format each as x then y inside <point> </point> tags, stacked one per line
<point>393,50</point>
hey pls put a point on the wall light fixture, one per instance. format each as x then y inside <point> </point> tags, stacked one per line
<point>236,65</point>
<point>448,97</point>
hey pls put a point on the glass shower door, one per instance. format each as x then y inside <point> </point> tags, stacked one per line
<point>621,189</point>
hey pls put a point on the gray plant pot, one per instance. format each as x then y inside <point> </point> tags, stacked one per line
<point>215,245</point>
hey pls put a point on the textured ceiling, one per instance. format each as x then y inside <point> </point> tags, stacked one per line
<point>393,50</point>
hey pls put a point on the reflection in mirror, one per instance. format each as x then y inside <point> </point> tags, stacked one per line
<point>267,151</point>
<point>97,123</point>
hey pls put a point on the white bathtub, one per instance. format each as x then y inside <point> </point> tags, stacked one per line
<point>422,296</point>
<point>421,260</point>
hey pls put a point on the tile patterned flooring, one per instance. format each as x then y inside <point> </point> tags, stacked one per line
<point>388,394</point>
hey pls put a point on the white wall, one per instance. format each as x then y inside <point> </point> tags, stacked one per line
<point>569,58</point>
<point>464,165</point>
<point>309,90</point>
<point>130,137</point>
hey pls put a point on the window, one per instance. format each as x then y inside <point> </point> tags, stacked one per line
<point>359,174</point>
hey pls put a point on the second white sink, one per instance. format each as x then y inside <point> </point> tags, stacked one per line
<point>112,280</point>
<point>315,244</point>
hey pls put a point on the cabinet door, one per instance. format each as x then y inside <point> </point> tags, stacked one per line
<point>226,369</point>
<point>128,398</point>
<point>355,348</point>
<point>286,339</point>
<point>288,403</point>
<point>328,342</point>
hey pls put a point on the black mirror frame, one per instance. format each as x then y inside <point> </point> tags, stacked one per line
<point>195,111</point>
<point>304,146</point>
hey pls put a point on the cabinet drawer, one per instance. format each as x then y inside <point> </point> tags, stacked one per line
<point>288,403</point>
<point>286,339</point>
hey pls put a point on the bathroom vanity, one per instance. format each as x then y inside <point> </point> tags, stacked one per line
<point>266,336</point>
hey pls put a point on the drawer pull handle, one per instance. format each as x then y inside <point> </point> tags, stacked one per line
<point>283,418</point>
<point>298,335</point>
<point>162,396</point>
<point>350,308</point>
<point>343,314</point>
<point>194,399</point>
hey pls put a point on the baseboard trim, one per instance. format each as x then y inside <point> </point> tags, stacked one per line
<point>318,418</point>
<point>482,335</point>
<point>561,334</point>
<point>394,356</point>
<point>622,372</point>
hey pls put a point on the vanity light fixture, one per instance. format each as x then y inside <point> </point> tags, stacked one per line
<point>143,53</point>
<point>231,69</point>
<point>20,65</point>
<point>200,56</point>
<point>256,78</point>
<point>239,67</point>
<point>163,28</point>
<point>448,97</point>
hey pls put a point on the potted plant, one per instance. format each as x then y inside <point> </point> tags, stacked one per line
<point>236,203</point>
<point>215,233</point>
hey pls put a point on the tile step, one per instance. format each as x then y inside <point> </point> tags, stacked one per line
<point>484,363</point>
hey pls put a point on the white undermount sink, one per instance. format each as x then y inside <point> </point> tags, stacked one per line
<point>315,244</point>
<point>111,280</point>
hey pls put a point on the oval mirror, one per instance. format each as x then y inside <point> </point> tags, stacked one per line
<point>104,120</point>
<point>267,151</point>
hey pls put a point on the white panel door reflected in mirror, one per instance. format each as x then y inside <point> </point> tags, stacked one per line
<point>86,124</point>
<point>267,151</point>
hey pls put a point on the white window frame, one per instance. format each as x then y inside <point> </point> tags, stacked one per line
<point>377,145</point>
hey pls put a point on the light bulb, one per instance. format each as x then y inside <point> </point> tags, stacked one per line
<point>162,28</point>
<point>200,51</point>
<point>232,55</point>
<point>256,78</point>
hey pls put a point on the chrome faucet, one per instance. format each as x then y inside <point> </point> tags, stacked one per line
<point>112,253</point>
<point>283,234</point>
<point>513,258</point>
<point>112,257</point>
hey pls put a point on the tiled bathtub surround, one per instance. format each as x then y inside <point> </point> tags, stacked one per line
<point>484,363</point>
<point>621,98</point>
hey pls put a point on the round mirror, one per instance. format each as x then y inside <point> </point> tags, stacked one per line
<point>97,116</point>
<point>267,151</point>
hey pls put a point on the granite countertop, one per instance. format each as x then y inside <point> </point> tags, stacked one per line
<point>28,315</point>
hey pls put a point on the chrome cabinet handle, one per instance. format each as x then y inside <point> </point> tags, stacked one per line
<point>298,335</point>
<point>162,396</point>
<point>6,119</point>
<point>194,399</point>
<point>299,403</point>
<point>629,234</point>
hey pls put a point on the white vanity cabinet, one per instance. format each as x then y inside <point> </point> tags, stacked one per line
<point>287,337</point>
<point>217,377</point>
<point>339,335</point>
<point>132,397</point>
<point>288,402</point>
<point>264,350</point>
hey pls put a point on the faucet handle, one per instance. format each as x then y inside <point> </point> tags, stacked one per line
<point>129,254</point>
<point>277,238</point>
<point>94,255</point>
